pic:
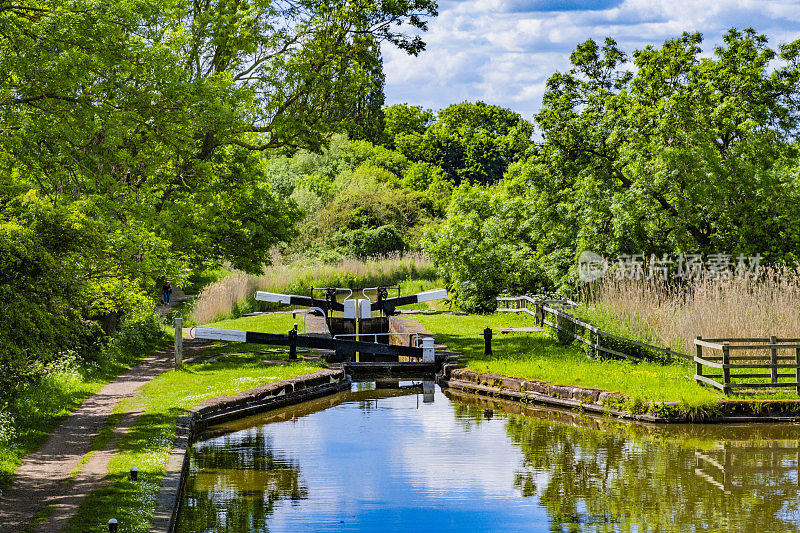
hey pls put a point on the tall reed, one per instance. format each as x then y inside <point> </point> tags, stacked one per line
<point>220,299</point>
<point>676,313</point>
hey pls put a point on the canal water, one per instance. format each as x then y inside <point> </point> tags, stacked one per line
<point>381,458</point>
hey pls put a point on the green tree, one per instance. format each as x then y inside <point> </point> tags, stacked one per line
<point>154,117</point>
<point>680,154</point>
<point>404,119</point>
<point>689,154</point>
<point>472,142</point>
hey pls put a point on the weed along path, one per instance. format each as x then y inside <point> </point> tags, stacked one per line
<point>51,483</point>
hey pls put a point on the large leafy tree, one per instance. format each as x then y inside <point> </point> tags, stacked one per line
<point>472,142</point>
<point>151,119</point>
<point>662,153</point>
<point>689,154</point>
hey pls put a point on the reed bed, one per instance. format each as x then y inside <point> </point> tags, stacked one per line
<point>229,295</point>
<point>674,314</point>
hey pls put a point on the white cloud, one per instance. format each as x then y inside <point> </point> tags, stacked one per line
<point>503,51</point>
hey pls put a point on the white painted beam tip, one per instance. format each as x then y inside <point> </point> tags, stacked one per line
<point>273,297</point>
<point>428,296</point>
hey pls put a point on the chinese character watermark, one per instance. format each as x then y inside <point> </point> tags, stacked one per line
<point>716,266</point>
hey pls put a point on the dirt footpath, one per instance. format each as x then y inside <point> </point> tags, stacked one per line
<point>42,486</point>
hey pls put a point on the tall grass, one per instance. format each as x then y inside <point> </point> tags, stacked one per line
<point>227,296</point>
<point>676,314</point>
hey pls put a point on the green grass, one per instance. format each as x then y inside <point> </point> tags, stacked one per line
<point>607,321</point>
<point>149,442</point>
<point>537,356</point>
<point>278,322</point>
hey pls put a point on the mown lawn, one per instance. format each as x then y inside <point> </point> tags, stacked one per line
<point>537,356</point>
<point>149,442</point>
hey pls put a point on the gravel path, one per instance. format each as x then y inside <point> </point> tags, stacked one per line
<point>43,486</point>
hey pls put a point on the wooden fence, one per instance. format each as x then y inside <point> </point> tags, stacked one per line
<point>547,313</point>
<point>757,369</point>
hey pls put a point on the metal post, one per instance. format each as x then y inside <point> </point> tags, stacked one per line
<point>292,344</point>
<point>134,473</point>
<point>773,360</point>
<point>178,323</point>
<point>358,323</point>
<point>112,525</point>
<point>487,341</point>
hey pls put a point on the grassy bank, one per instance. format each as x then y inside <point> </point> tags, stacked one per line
<point>538,356</point>
<point>233,295</point>
<point>149,442</point>
<point>39,406</point>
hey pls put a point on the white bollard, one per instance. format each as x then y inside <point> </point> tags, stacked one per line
<point>364,309</point>
<point>350,309</point>
<point>428,352</point>
<point>178,323</point>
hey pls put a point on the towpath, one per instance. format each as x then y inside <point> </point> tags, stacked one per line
<point>52,482</point>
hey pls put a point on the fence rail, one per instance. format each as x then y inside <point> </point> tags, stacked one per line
<point>769,364</point>
<point>546,314</point>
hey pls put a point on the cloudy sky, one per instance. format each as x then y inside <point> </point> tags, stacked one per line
<point>503,51</point>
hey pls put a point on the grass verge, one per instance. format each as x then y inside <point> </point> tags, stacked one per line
<point>149,442</point>
<point>537,356</point>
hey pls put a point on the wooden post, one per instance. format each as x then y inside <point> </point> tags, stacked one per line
<point>597,338</point>
<point>177,322</point>
<point>773,359</point>
<point>292,344</point>
<point>797,377</point>
<point>698,352</point>
<point>726,372</point>
<point>487,341</point>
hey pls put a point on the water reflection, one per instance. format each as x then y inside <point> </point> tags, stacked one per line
<point>235,482</point>
<point>385,459</point>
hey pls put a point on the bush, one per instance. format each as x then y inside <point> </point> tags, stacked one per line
<point>371,242</point>
<point>134,340</point>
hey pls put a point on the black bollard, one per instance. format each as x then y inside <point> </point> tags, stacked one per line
<point>487,341</point>
<point>295,326</point>
<point>112,525</point>
<point>292,344</point>
<point>134,473</point>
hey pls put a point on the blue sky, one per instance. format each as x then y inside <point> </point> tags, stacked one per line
<point>503,51</point>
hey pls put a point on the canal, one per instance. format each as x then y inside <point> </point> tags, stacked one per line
<point>382,458</point>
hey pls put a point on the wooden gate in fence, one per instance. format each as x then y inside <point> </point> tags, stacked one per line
<point>748,363</point>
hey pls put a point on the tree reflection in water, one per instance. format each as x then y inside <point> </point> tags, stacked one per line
<point>234,484</point>
<point>594,477</point>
